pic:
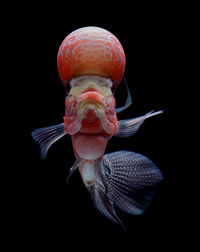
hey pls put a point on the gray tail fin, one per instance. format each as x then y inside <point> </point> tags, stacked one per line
<point>131,180</point>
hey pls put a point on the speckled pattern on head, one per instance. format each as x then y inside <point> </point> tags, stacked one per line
<point>91,51</point>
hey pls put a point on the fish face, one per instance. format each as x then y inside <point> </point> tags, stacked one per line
<point>90,116</point>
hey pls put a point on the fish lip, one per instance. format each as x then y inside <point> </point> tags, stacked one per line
<point>85,95</point>
<point>91,90</point>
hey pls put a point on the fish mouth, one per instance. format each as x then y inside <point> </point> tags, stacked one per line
<point>91,114</point>
<point>91,97</point>
<point>90,89</point>
<point>91,119</point>
<point>90,105</point>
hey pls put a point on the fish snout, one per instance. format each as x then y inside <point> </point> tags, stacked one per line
<point>91,97</point>
<point>90,105</point>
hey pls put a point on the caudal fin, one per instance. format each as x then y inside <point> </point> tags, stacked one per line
<point>132,180</point>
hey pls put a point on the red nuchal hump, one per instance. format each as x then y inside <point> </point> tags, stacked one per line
<point>91,51</point>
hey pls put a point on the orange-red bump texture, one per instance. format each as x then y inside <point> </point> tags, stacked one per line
<point>91,51</point>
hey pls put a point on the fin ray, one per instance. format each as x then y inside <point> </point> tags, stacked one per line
<point>73,168</point>
<point>129,127</point>
<point>104,204</point>
<point>46,136</point>
<point>128,100</point>
<point>132,181</point>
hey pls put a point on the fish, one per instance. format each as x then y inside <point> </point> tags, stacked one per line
<point>91,64</point>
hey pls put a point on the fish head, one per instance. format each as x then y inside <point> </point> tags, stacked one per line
<point>90,116</point>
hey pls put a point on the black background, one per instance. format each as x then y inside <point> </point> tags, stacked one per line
<point>46,210</point>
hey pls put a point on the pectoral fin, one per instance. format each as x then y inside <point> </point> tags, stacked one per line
<point>45,137</point>
<point>129,127</point>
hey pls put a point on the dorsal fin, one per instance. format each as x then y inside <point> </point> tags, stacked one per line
<point>128,100</point>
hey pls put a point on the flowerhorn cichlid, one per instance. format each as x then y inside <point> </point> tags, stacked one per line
<point>91,64</point>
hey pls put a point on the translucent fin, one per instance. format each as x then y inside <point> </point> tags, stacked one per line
<point>128,100</point>
<point>100,178</point>
<point>129,127</point>
<point>104,204</point>
<point>132,179</point>
<point>73,168</point>
<point>45,137</point>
